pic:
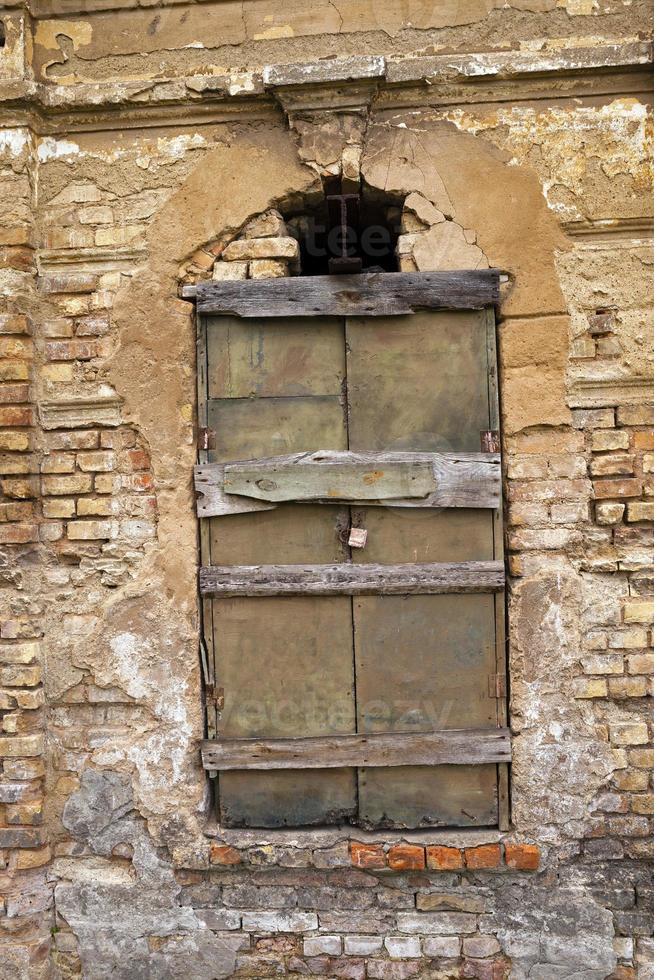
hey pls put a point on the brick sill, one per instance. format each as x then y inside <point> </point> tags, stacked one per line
<point>319,837</point>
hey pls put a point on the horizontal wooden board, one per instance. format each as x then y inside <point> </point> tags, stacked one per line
<point>331,476</point>
<point>366,294</point>
<point>469,480</point>
<point>346,579</point>
<point>453,747</point>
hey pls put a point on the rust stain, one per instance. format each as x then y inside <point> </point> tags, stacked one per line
<point>373,477</point>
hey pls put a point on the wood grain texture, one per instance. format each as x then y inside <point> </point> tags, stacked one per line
<point>452,747</point>
<point>366,294</point>
<point>470,480</point>
<point>345,579</point>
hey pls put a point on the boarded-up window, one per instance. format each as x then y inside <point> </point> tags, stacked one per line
<point>348,682</point>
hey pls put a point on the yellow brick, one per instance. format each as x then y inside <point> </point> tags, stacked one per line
<point>14,371</point>
<point>58,373</point>
<point>639,611</point>
<point>590,688</point>
<point>15,441</point>
<point>33,858</point>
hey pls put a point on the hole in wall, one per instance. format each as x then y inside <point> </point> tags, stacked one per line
<point>3,34</point>
<point>368,232</point>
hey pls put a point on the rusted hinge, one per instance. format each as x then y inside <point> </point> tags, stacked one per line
<point>215,696</point>
<point>497,686</point>
<point>490,441</point>
<point>206,439</point>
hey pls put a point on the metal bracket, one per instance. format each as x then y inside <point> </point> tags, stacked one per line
<point>497,686</point>
<point>215,696</point>
<point>206,439</point>
<point>490,441</point>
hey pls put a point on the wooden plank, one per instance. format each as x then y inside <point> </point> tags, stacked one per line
<point>470,480</point>
<point>366,294</point>
<point>344,579</point>
<point>451,747</point>
<point>331,476</point>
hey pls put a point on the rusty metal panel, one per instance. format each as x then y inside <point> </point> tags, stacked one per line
<point>251,427</point>
<point>249,358</point>
<point>423,662</point>
<point>286,665</point>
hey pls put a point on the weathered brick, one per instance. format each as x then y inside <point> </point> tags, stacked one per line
<point>445,947</point>
<point>608,439</point>
<point>436,923</point>
<point>362,945</point>
<point>643,804</point>
<point>612,465</point>
<point>19,533</point>
<point>71,350</point>
<point>64,486</point>
<point>608,663</point>
<point>61,508</point>
<point>444,858</point>
<point>629,733</point>
<point>402,947</point>
<point>14,323</point>
<point>480,947</point>
<point>95,507</point>
<point>58,463</point>
<point>262,248</point>
<point>607,489</point>
<point>391,970</point>
<point>83,439</point>
<point>19,653</point>
<point>16,416</point>
<point>635,415</point>
<point>367,855</point>
<point>223,854</point>
<point>627,687</point>
<point>319,945</point>
<point>484,856</point>
<point>21,836</point>
<point>280,921</point>
<point>15,441</point>
<point>455,901</point>
<point>100,461</point>
<point>641,663</point>
<point>20,676</point>
<point>640,510</point>
<point>406,857</point>
<point>33,858</point>
<point>21,746</point>
<point>14,394</point>
<point>639,611</point>
<point>14,370</point>
<point>522,857</point>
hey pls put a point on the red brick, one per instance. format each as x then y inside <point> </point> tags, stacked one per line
<point>14,394</point>
<point>139,482</point>
<point>17,258</point>
<point>71,350</point>
<point>18,533</point>
<point>522,857</point>
<point>484,856</point>
<point>444,858</point>
<point>138,459</point>
<point>223,854</point>
<point>406,857</point>
<point>367,855</point>
<point>16,416</point>
<point>609,489</point>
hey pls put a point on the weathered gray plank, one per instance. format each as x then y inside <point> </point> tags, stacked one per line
<point>453,747</point>
<point>346,579</point>
<point>367,294</point>
<point>331,476</point>
<point>470,480</point>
